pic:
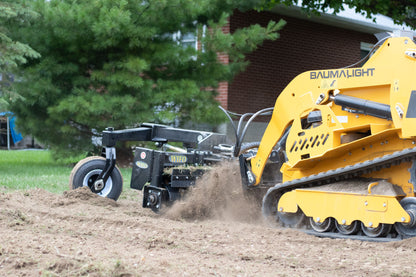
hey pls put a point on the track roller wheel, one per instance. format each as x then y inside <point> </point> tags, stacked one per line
<point>381,231</point>
<point>408,229</point>
<point>351,229</point>
<point>276,218</point>
<point>326,226</point>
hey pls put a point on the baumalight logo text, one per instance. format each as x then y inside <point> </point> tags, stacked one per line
<point>342,73</point>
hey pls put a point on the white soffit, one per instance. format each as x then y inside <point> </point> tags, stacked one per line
<point>347,19</point>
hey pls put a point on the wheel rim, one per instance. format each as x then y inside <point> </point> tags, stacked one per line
<point>351,229</point>
<point>325,226</point>
<point>380,231</point>
<point>90,178</point>
<point>408,229</point>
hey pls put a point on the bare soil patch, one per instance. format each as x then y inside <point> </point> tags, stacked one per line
<point>216,232</point>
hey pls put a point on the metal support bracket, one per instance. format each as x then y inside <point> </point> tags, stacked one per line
<point>110,163</point>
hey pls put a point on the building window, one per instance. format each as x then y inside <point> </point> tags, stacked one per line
<point>190,39</point>
<point>186,40</point>
<point>365,49</point>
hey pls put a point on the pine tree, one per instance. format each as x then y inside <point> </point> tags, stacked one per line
<point>119,63</point>
<point>12,53</point>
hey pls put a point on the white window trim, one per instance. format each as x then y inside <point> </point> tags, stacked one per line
<point>177,37</point>
<point>366,46</point>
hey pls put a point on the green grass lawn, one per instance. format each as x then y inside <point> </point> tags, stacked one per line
<point>27,169</point>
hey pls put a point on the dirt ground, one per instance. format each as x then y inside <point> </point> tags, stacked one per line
<point>216,232</point>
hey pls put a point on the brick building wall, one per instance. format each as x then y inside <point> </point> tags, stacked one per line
<point>222,96</point>
<point>303,45</point>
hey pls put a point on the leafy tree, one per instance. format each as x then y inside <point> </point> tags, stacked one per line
<point>12,52</point>
<point>401,11</point>
<point>118,63</point>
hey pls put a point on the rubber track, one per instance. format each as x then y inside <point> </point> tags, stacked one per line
<point>345,173</point>
<point>359,236</point>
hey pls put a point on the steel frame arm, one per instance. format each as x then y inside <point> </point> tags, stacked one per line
<point>162,134</point>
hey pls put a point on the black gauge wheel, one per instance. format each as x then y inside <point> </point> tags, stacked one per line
<point>86,172</point>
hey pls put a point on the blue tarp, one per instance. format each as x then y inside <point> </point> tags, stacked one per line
<point>16,136</point>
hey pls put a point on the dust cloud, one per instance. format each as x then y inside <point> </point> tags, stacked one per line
<point>218,195</point>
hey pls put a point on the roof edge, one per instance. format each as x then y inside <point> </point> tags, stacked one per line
<point>346,19</point>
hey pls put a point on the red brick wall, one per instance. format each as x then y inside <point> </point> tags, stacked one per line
<point>302,46</point>
<point>222,96</point>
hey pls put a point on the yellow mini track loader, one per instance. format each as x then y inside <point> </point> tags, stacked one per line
<point>338,158</point>
<point>346,141</point>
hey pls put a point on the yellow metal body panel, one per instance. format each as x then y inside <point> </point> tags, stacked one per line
<point>287,203</point>
<point>313,141</point>
<point>345,207</point>
<point>398,174</point>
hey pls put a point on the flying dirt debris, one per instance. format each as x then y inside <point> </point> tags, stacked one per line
<point>337,158</point>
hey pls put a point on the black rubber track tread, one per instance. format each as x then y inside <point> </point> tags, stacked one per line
<point>353,237</point>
